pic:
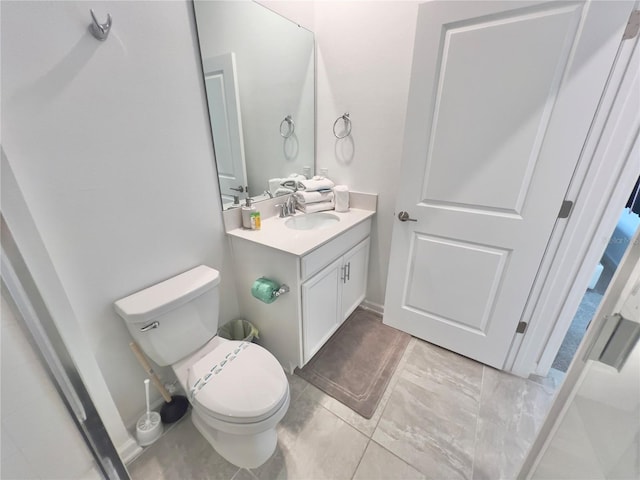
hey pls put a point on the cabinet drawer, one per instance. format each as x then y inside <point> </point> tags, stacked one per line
<point>321,257</point>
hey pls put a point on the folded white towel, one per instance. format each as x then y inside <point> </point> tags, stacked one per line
<point>274,184</point>
<point>315,207</point>
<point>282,191</point>
<point>313,197</point>
<point>314,185</point>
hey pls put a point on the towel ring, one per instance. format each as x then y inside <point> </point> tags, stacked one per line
<point>291,127</point>
<point>347,126</point>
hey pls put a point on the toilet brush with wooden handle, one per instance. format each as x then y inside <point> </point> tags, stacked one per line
<point>174,408</point>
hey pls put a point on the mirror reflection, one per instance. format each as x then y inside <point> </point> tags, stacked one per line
<point>259,76</point>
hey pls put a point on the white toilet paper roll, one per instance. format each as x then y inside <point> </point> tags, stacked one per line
<point>341,196</point>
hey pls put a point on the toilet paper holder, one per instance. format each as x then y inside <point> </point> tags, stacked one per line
<point>281,291</point>
<point>267,290</point>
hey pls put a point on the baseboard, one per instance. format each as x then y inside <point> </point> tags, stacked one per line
<point>129,450</point>
<point>373,307</point>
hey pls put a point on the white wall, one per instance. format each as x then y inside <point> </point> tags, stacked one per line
<point>37,430</point>
<point>55,304</point>
<point>365,50</point>
<point>110,145</point>
<point>111,151</point>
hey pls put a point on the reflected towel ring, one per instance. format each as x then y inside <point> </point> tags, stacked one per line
<point>291,127</point>
<point>347,126</point>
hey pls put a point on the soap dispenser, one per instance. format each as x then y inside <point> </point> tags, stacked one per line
<point>247,210</point>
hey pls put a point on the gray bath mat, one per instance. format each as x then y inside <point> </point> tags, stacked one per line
<point>357,362</point>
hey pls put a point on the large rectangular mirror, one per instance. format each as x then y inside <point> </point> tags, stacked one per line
<point>259,73</point>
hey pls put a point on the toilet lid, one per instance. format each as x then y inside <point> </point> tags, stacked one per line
<point>238,382</point>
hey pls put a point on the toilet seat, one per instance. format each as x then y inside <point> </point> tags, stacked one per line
<point>237,382</point>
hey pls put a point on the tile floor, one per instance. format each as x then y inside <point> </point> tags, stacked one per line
<point>442,416</point>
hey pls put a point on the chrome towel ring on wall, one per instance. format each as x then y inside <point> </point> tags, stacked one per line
<point>291,127</point>
<point>347,126</point>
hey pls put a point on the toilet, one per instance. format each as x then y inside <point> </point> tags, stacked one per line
<point>237,389</point>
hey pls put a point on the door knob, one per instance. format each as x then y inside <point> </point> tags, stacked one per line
<point>239,189</point>
<point>404,217</point>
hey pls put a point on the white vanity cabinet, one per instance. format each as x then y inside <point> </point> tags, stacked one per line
<point>327,282</point>
<point>330,296</point>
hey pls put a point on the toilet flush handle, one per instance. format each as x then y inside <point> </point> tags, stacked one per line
<point>151,326</point>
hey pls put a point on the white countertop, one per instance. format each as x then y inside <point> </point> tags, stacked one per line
<point>276,235</point>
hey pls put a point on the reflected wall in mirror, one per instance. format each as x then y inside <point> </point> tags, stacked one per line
<point>259,73</point>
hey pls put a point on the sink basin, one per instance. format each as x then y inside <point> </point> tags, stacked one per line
<point>312,221</point>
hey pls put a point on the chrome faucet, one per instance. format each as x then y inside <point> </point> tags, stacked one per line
<point>291,204</point>
<point>288,208</point>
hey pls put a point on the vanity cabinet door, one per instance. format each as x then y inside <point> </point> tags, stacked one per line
<point>321,308</point>
<point>354,278</point>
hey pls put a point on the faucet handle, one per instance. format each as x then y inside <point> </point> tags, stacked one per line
<point>282,207</point>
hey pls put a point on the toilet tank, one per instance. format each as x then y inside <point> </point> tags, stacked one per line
<point>174,318</point>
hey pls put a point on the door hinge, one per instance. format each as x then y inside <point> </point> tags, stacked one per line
<point>565,209</point>
<point>522,326</point>
<point>633,26</point>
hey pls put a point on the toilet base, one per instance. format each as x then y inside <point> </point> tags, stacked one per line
<point>245,451</point>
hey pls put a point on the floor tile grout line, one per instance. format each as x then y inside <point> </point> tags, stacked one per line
<point>303,390</point>
<point>361,457</point>
<point>235,474</point>
<point>342,419</point>
<point>398,457</point>
<point>399,373</point>
<point>369,436</point>
<point>353,428</point>
<point>475,440</point>
<point>404,358</point>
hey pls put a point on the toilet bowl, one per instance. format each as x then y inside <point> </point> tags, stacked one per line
<point>238,408</point>
<point>238,390</point>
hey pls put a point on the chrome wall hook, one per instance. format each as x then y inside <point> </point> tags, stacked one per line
<point>100,30</point>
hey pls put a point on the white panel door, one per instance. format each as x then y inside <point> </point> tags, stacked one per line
<point>502,96</point>
<point>226,123</point>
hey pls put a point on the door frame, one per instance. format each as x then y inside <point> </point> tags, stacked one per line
<point>35,267</point>
<point>604,177</point>
<point>57,362</point>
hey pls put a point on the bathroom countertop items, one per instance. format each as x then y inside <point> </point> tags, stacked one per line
<point>315,184</point>
<point>286,185</point>
<point>275,234</point>
<point>316,207</point>
<point>315,195</point>
<point>341,198</point>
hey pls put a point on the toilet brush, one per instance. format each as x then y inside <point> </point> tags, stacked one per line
<point>149,427</point>
<point>173,408</point>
